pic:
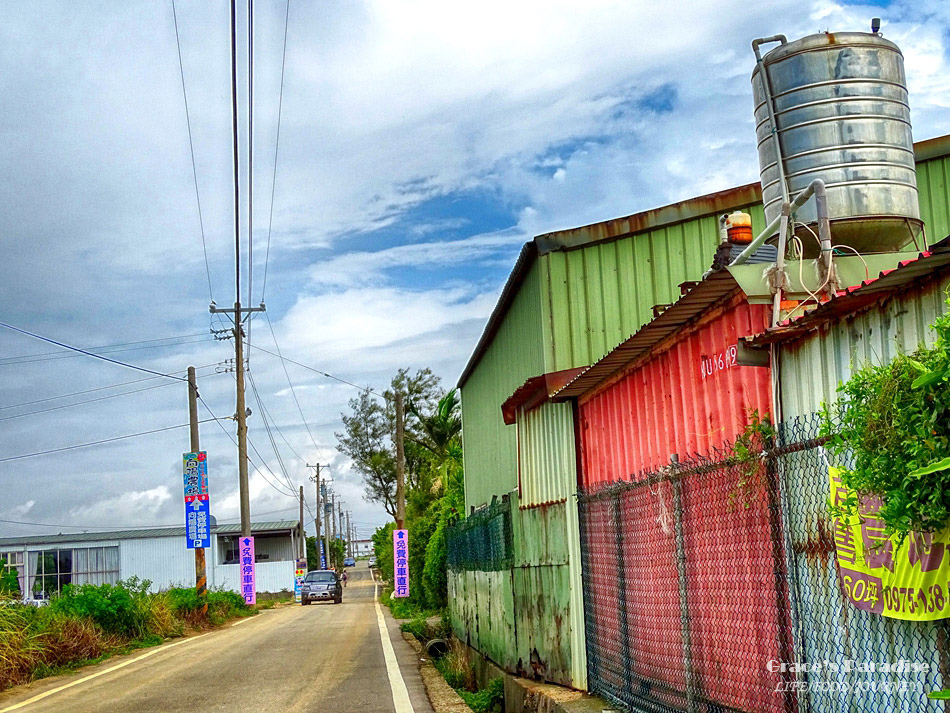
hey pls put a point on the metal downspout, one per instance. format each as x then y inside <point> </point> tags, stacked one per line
<point>770,105</point>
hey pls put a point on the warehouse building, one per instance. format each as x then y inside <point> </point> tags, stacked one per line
<point>44,564</point>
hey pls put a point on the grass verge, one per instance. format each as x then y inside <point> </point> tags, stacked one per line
<point>88,623</point>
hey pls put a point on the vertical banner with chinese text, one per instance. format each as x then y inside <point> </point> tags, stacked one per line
<point>880,574</point>
<point>246,560</point>
<point>197,500</point>
<point>401,563</point>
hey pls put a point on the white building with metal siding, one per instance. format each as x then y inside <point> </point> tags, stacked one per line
<point>46,563</point>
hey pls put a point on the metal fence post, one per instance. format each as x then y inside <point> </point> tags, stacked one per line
<point>684,605</point>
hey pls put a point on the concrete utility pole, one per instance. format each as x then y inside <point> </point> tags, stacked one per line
<point>241,411</point>
<point>201,574</point>
<point>349,535</point>
<point>303,532</point>
<point>400,466</point>
<point>316,516</point>
<point>333,532</point>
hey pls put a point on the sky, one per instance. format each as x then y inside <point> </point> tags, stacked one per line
<point>421,144</point>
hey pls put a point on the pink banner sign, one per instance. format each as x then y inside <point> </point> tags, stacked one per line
<point>401,562</point>
<point>248,590</point>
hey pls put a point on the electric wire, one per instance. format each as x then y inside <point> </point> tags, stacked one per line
<point>267,428</point>
<point>96,443</point>
<point>273,184</point>
<point>89,391</point>
<point>87,401</point>
<point>235,161</point>
<point>293,391</point>
<point>191,146</point>
<point>88,353</point>
<point>259,469</point>
<point>250,152</point>
<point>131,527</point>
<point>321,373</point>
<point>107,349</point>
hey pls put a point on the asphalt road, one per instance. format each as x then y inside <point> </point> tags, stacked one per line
<point>323,657</point>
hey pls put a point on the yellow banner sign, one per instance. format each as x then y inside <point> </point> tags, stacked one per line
<point>910,580</point>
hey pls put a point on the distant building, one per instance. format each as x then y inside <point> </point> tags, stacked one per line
<point>46,563</point>
<point>363,548</point>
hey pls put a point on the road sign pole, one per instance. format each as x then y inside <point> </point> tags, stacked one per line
<point>201,573</point>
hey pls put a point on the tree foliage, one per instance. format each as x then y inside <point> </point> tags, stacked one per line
<point>434,480</point>
<point>369,435</point>
<point>892,426</point>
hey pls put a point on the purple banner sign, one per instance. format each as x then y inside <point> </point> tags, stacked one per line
<point>248,590</point>
<point>401,562</point>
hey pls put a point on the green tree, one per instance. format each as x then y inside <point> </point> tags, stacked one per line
<point>369,430</point>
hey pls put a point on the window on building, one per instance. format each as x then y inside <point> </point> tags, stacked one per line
<point>51,570</point>
<point>12,562</point>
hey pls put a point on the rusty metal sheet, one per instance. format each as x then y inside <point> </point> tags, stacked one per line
<point>689,399</point>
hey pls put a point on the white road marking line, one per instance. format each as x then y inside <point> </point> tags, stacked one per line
<point>46,694</point>
<point>400,693</point>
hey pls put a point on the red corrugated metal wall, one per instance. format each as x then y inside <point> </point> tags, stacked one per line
<point>690,399</point>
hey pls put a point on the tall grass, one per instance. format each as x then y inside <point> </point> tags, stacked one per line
<point>88,621</point>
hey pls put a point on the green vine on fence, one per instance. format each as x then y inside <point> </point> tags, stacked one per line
<point>891,424</point>
<point>747,456</point>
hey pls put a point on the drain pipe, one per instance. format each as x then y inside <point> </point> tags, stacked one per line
<point>770,105</point>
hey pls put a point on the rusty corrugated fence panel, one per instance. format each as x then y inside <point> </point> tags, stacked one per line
<point>689,399</point>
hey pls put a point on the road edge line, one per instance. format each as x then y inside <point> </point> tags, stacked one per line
<point>47,694</point>
<point>397,683</point>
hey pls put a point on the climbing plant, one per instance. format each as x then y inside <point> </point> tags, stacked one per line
<point>756,437</point>
<point>891,426</point>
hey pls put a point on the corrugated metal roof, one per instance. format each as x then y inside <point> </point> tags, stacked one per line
<point>144,533</point>
<point>535,391</point>
<point>851,299</point>
<point>690,305</point>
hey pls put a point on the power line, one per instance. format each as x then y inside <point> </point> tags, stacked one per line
<point>105,348</point>
<point>87,353</point>
<point>249,460</point>
<point>292,390</point>
<point>130,527</point>
<point>273,184</point>
<point>270,435</point>
<point>191,145</point>
<point>89,391</point>
<point>250,152</point>
<point>322,373</point>
<point>96,443</point>
<point>87,401</point>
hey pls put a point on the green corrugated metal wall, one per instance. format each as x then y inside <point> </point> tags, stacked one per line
<point>514,355</point>
<point>932,178</point>
<point>596,297</point>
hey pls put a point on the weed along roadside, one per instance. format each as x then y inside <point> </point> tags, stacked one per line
<point>86,624</point>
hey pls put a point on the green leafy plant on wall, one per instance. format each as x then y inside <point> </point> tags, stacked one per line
<point>891,424</point>
<point>756,437</point>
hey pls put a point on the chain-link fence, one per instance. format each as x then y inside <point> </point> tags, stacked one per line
<point>711,585</point>
<point>482,541</point>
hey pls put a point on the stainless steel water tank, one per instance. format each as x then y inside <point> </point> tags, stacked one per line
<point>841,107</point>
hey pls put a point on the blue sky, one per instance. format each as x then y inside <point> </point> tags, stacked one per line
<point>421,143</point>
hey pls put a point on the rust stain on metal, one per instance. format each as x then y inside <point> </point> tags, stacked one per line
<point>819,547</point>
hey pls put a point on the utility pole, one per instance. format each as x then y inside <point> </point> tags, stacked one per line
<point>316,516</point>
<point>201,574</point>
<point>349,535</point>
<point>400,466</point>
<point>333,533</point>
<point>303,532</point>
<point>241,411</point>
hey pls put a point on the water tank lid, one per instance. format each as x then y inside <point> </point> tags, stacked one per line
<point>823,41</point>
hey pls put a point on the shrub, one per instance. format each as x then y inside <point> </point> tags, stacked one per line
<point>490,699</point>
<point>418,627</point>
<point>121,608</point>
